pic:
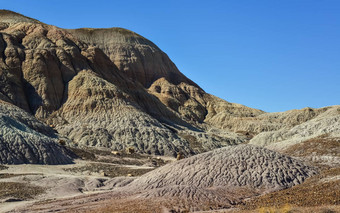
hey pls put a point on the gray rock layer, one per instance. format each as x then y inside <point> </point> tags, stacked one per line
<point>23,139</point>
<point>326,123</point>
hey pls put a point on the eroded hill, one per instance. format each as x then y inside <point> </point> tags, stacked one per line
<point>114,88</point>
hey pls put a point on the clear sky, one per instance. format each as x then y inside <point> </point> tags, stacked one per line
<point>273,55</point>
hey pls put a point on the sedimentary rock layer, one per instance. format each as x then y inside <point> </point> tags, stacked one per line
<point>23,139</point>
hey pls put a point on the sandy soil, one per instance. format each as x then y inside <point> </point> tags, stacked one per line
<point>84,177</point>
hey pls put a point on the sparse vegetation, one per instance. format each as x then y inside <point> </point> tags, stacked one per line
<point>115,157</point>
<point>155,110</point>
<point>289,209</point>
<point>248,134</point>
<point>2,167</point>
<point>109,170</point>
<point>130,150</point>
<point>316,146</point>
<point>193,143</point>
<point>19,191</point>
<point>8,175</point>
<point>82,153</point>
<point>319,190</point>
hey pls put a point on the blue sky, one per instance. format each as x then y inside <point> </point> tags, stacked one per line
<point>266,54</point>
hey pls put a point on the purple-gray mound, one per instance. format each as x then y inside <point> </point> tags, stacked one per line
<point>226,174</point>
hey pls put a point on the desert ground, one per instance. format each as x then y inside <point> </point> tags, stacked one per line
<point>97,181</point>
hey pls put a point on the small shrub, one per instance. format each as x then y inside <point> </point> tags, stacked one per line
<point>180,156</point>
<point>62,142</point>
<point>130,150</point>
<point>2,167</point>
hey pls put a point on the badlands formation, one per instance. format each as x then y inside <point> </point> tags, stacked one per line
<point>81,97</point>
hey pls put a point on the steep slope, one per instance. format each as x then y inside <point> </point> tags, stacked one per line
<point>123,124</point>
<point>68,78</point>
<point>114,88</point>
<point>197,106</point>
<point>23,139</point>
<point>133,54</point>
<point>145,63</point>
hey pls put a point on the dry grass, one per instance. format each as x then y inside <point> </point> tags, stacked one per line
<point>319,190</point>
<point>145,205</point>
<point>316,146</point>
<point>2,167</point>
<point>20,191</point>
<point>286,209</point>
<point>131,206</point>
<point>193,143</point>
<point>9,175</point>
<point>109,170</point>
<point>123,158</point>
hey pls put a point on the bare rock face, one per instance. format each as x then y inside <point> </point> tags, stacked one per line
<point>256,123</point>
<point>107,88</point>
<point>133,54</point>
<point>23,139</point>
<point>326,122</point>
<point>145,63</point>
<point>221,175</point>
<point>122,125</point>
<point>114,88</point>
<point>11,17</point>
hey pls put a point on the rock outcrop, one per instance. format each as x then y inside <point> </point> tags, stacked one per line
<point>114,88</point>
<point>23,139</point>
<point>109,88</point>
<point>133,54</point>
<point>325,122</point>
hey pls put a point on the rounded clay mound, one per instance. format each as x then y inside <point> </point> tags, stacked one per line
<point>221,174</point>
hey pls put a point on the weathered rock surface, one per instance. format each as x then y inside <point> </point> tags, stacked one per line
<point>7,16</point>
<point>133,54</point>
<point>212,180</point>
<point>122,125</point>
<point>107,87</point>
<point>266,121</point>
<point>213,176</point>
<point>23,139</point>
<point>325,122</point>
<point>114,88</point>
<point>145,63</point>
